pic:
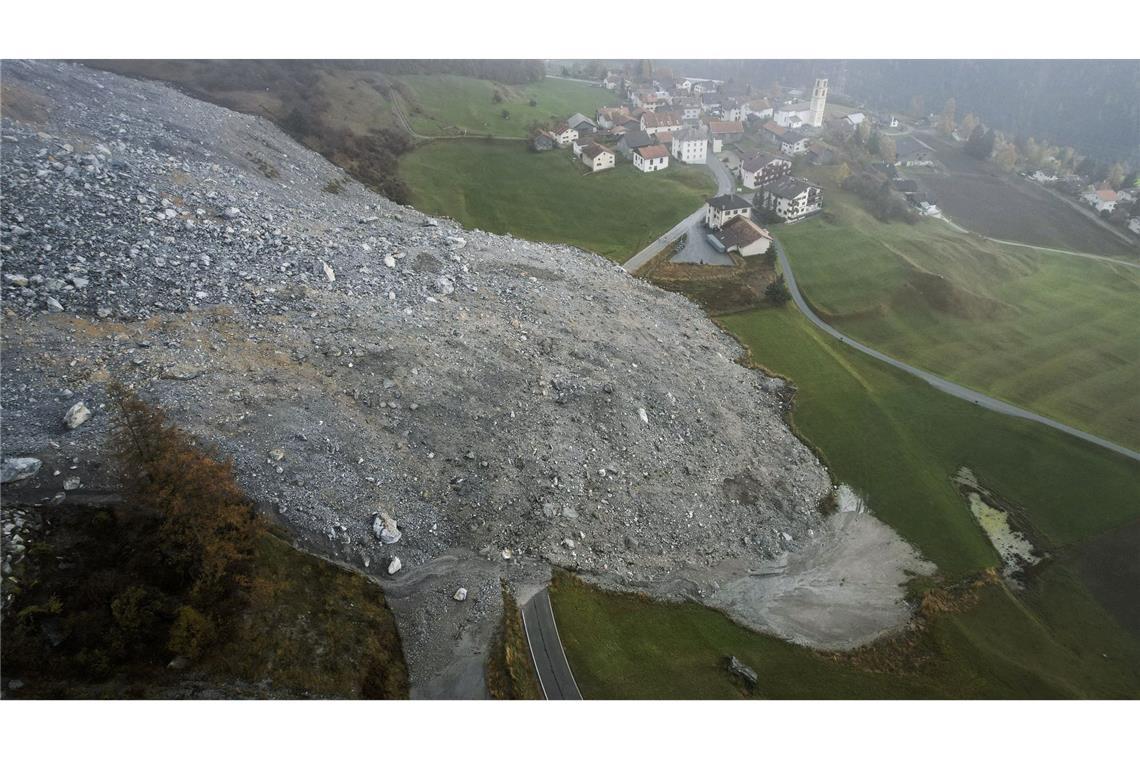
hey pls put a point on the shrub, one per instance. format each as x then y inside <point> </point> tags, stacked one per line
<point>192,633</point>
<point>208,527</point>
<point>777,291</point>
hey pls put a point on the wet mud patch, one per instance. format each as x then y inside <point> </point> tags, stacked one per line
<point>996,519</point>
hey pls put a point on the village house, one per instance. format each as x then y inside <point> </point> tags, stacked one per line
<point>612,82</point>
<point>627,124</point>
<point>606,118</point>
<point>772,131</point>
<point>683,84</point>
<point>1134,224</point>
<point>732,110</point>
<point>664,138</point>
<point>582,141</point>
<point>910,152</point>
<point>763,168</point>
<point>853,120</point>
<point>563,133</point>
<point>793,143</point>
<point>721,132</point>
<point>710,101</point>
<point>597,157</point>
<point>760,108</point>
<point>720,209</point>
<point>741,235</point>
<point>790,198</point>
<point>1103,199</point>
<point>581,123</point>
<point>644,99</point>
<point>690,147</point>
<point>793,115</point>
<point>688,108</point>
<point>651,158</point>
<point>662,121</point>
<point>631,141</point>
<point>542,140</point>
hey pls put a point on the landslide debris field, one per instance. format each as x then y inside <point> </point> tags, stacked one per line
<point>375,374</point>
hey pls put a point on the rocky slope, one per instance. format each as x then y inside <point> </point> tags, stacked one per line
<point>508,405</point>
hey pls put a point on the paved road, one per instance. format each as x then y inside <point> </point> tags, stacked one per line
<point>941,384</point>
<point>546,648</point>
<point>691,223</point>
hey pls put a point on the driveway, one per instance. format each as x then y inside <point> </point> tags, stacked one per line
<point>697,249</point>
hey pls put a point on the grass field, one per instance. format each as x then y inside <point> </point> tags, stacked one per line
<point>980,197</point>
<point>503,187</point>
<point>449,105</point>
<point>898,441</point>
<point>1053,333</point>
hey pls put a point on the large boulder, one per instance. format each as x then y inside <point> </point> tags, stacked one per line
<point>76,416</point>
<point>19,468</point>
<point>384,528</point>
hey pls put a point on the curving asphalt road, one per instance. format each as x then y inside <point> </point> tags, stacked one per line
<point>724,184</point>
<point>962,392</point>
<point>550,663</point>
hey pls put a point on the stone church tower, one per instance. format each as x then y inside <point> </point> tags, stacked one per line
<point>818,101</point>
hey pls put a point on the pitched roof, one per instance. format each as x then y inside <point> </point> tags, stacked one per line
<point>759,161</point>
<point>792,137</point>
<point>726,127</point>
<point>594,149</point>
<point>637,139</point>
<point>653,151</point>
<point>664,137</point>
<point>740,231</point>
<point>730,202</point>
<point>560,127</point>
<point>688,135</point>
<point>797,107</point>
<point>578,118</point>
<point>788,187</point>
<point>761,104</point>
<point>661,119</point>
<point>773,128</point>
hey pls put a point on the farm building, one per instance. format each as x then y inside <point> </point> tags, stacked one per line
<point>651,158</point>
<point>597,157</point>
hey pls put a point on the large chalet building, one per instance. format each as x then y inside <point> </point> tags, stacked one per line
<point>762,168</point>
<point>790,198</point>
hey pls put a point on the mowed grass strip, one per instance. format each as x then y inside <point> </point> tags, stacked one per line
<point>445,104</point>
<point>1056,334</point>
<point>503,187</point>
